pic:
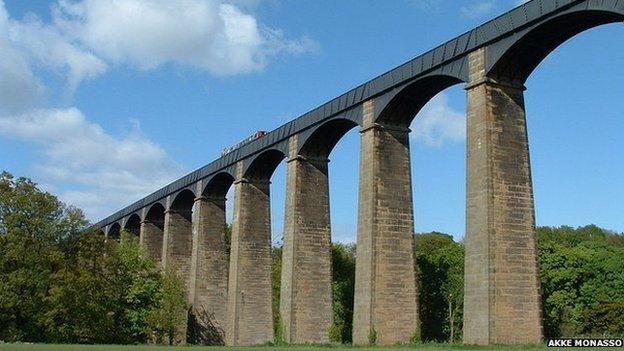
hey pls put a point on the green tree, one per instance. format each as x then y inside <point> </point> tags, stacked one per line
<point>167,320</point>
<point>276,283</point>
<point>33,226</point>
<point>439,269</point>
<point>103,293</point>
<point>343,289</point>
<point>582,277</point>
<point>79,302</point>
<point>136,284</point>
<point>62,282</point>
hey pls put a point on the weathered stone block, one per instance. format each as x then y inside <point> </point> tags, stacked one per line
<point>502,291</point>
<point>385,289</point>
<point>306,292</point>
<point>177,253</point>
<point>249,313</point>
<point>209,275</point>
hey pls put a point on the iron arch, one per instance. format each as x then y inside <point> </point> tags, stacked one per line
<point>183,203</point>
<point>133,224</point>
<point>218,186</point>
<point>261,168</point>
<point>404,103</point>
<point>156,215</point>
<point>514,60</point>
<point>322,140</point>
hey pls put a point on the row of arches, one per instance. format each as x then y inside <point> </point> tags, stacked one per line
<point>512,59</point>
<point>505,72</point>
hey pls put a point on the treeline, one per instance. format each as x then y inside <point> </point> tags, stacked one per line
<point>581,272</point>
<point>582,275</point>
<point>59,283</point>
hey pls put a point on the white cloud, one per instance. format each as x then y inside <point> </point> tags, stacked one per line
<point>84,164</point>
<point>19,87</point>
<point>85,37</point>
<point>437,123</point>
<point>98,172</point>
<point>29,44</point>
<point>49,49</point>
<point>207,34</point>
<point>478,9</point>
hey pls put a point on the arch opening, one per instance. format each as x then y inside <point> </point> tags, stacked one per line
<point>343,179</point>
<point>438,170</point>
<point>218,186</point>
<point>518,62</point>
<point>405,105</point>
<point>264,165</point>
<point>133,225</point>
<point>156,215</point>
<point>324,139</point>
<point>183,204</point>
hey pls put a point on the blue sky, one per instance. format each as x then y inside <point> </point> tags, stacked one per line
<point>104,101</point>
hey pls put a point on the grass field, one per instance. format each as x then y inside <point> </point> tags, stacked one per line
<point>425,347</point>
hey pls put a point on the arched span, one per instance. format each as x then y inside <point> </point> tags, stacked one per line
<point>321,142</point>
<point>403,106</point>
<point>156,215</point>
<point>262,166</point>
<point>133,224</point>
<point>517,61</point>
<point>183,203</point>
<point>218,186</point>
<point>114,231</point>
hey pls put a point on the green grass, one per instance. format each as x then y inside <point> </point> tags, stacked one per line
<point>425,347</point>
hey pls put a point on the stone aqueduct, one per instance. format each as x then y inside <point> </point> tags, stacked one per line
<point>183,223</point>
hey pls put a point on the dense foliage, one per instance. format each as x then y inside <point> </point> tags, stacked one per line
<point>61,282</point>
<point>582,274</point>
<point>343,288</point>
<point>440,279</point>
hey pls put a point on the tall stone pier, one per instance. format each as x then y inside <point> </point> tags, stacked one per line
<point>209,277</point>
<point>385,309</point>
<point>249,318</point>
<point>306,291</point>
<point>502,291</point>
<point>177,252</point>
